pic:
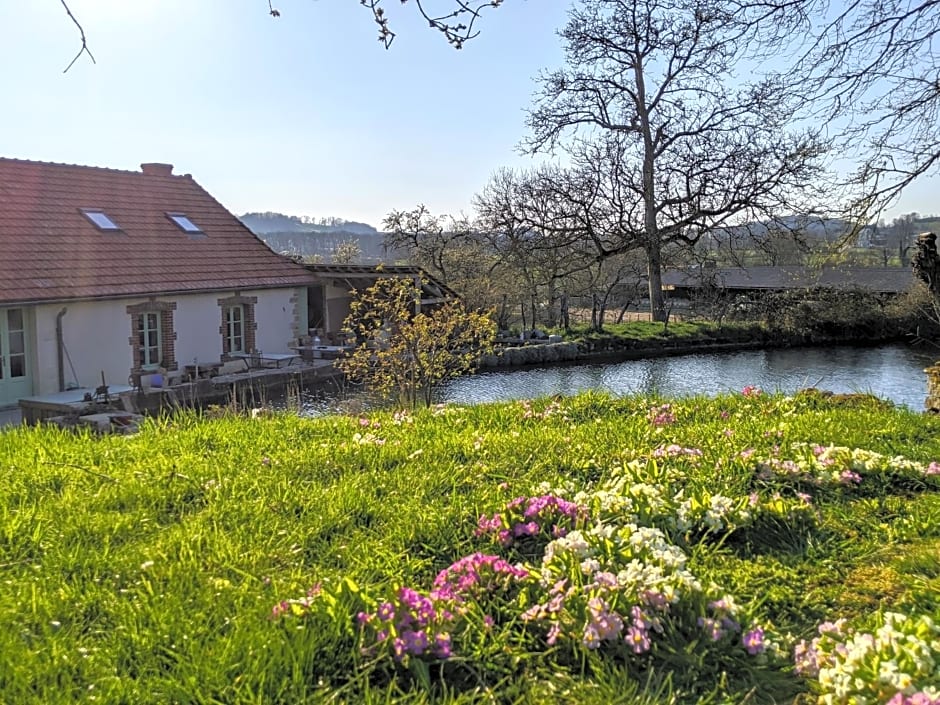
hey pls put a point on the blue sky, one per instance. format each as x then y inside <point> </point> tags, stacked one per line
<point>306,114</point>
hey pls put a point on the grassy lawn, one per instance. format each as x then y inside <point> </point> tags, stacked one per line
<point>582,550</point>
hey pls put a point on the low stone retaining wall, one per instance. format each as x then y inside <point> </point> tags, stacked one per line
<point>933,388</point>
<point>532,355</point>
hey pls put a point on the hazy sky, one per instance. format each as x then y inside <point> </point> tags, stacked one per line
<point>306,114</point>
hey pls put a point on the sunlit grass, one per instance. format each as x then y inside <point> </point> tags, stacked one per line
<point>648,331</point>
<point>145,568</point>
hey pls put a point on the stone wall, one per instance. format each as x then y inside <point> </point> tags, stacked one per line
<point>532,355</point>
<point>933,388</point>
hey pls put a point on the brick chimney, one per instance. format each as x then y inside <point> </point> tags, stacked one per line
<point>156,169</point>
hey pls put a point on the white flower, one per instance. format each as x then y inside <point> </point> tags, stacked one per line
<point>590,566</point>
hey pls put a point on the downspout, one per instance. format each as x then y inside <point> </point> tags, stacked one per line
<point>60,345</point>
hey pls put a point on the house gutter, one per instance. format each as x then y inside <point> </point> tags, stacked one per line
<point>59,346</point>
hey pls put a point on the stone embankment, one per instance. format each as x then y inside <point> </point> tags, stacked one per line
<point>933,388</point>
<point>532,355</point>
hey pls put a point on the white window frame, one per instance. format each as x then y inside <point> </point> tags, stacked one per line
<point>149,352</point>
<point>236,341</point>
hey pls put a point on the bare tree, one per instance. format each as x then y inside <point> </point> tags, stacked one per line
<point>346,252</point>
<point>874,67</point>
<point>652,84</point>
<point>541,224</point>
<point>430,240</point>
<point>457,21</point>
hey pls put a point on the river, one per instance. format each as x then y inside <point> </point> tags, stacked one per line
<point>893,372</point>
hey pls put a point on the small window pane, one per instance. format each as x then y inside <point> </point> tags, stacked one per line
<point>15,319</point>
<point>184,223</point>
<point>17,343</point>
<point>101,220</point>
<point>18,366</point>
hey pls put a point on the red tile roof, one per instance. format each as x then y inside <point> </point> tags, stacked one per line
<point>49,250</point>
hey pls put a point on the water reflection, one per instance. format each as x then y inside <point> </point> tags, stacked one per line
<point>893,372</point>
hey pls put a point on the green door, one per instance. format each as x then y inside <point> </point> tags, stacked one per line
<point>15,379</point>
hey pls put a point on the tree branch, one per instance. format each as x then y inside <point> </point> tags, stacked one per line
<point>81,32</point>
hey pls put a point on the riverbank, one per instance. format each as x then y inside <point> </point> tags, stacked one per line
<point>650,340</point>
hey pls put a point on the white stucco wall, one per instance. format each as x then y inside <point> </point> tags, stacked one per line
<point>97,333</point>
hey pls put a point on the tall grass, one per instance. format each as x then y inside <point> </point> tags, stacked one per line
<point>144,568</point>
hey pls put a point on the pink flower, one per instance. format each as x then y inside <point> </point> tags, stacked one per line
<point>849,476</point>
<point>754,641</point>
<point>751,391</point>
<point>806,659</point>
<point>442,647</point>
<point>638,639</point>
<point>933,468</point>
<point>661,415</point>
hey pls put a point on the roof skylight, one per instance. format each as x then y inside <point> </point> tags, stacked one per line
<point>100,219</point>
<point>184,223</point>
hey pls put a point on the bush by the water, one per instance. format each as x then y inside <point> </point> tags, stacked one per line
<point>747,548</point>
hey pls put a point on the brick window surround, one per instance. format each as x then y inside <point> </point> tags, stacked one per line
<point>167,333</point>
<point>249,325</point>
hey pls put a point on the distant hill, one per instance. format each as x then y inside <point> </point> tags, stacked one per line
<point>303,236</point>
<point>265,223</point>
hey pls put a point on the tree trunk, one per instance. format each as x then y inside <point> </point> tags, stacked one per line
<point>657,300</point>
<point>551,320</point>
<point>653,244</point>
<point>595,326</point>
<point>623,312</point>
<point>565,319</point>
<point>502,318</point>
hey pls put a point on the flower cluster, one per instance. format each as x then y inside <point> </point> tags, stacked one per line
<point>752,391</point>
<point>714,512</point>
<point>621,498</point>
<point>674,450</point>
<point>476,575</point>
<point>554,408</point>
<point>402,416</point>
<point>367,439</point>
<point>607,584</point>
<point>296,606</point>
<point>899,663</point>
<point>411,624</point>
<point>722,622</point>
<point>828,466</point>
<point>546,515</point>
<point>662,415</point>
<point>414,624</point>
